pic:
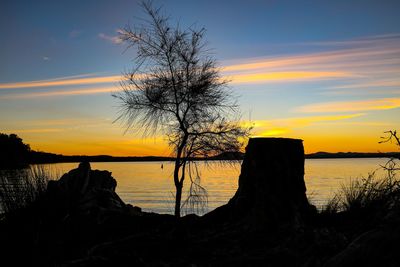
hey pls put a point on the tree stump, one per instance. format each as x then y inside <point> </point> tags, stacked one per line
<point>272,190</point>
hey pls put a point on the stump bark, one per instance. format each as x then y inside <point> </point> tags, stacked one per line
<point>272,190</point>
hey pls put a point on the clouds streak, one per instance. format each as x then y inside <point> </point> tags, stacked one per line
<point>61,82</point>
<point>89,91</point>
<point>361,63</point>
<point>285,125</point>
<point>351,106</point>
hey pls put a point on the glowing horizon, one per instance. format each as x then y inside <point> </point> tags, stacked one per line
<point>336,85</point>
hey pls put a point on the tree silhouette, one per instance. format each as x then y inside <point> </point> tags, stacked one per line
<point>14,153</point>
<point>175,88</point>
<point>391,136</point>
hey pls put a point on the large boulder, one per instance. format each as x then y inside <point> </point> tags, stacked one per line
<point>375,247</point>
<point>378,247</point>
<point>272,190</point>
<point>83,189</point>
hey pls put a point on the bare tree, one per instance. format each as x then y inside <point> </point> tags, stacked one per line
<point>175,88</point>
<point>391,136</point>
<point>391,166</point>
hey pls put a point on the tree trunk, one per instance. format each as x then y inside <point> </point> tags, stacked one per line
<point>179,183</point>
<point>178,189</point>
<point>178,197</point>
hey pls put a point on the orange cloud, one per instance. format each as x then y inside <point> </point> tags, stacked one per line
<point>61,93</point>
<point>351,106</point>
<point>305,121</point>
<point>286,76</point>
<point>236,78</point>
<point>370,59</point>
<point>343,58</point>
<point>279,127</point>
<point>61,82</point>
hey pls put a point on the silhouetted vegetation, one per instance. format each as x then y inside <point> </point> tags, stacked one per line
<point>344,155</point>
<point>175,88</point>
<point>13,153</point>
<point>80,221</point>
<point>21,187</point>
<point>371,194</point>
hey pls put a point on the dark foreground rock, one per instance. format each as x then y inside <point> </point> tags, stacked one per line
<point>83,189</point>
<point>81,221</point>
<point>376,247</point>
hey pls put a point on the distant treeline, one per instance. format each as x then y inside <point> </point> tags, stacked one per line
<point>14,153</point>
<point>327,155</point>
<point>43,157</point>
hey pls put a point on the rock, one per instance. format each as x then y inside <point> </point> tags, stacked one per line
<point>378,247</point>
<point>272,190</point>
<point>134,210</point>
<point>85,189</point>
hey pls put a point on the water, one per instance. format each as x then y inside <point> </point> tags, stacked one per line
<point>146,185</point>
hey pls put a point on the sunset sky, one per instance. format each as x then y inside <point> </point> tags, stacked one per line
<point>327,72</point>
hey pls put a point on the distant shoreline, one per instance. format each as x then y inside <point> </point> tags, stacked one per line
<point>43,157</point>
<point>16,154</point>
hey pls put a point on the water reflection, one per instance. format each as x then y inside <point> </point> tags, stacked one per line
<point>147,185</point>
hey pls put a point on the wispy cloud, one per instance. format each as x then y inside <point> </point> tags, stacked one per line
<point>374,87</point>
<point>286,76</point>
<point>375,83</point>
<point>62,82</point>
<point>306,121</point>
<point>351,106</point>
<point>87,91</point>
<point>282,126</point>
<point>365,92</point>
<point>351,58</point>
<point>113,39</point>
<point>236,78</point>
<point>369,40</point>
<point>362,63</point>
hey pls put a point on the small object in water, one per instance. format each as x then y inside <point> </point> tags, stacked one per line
<point>162,166</point>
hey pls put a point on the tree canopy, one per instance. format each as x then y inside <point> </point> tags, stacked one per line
<point>176,89</point>
<point>14,153</point>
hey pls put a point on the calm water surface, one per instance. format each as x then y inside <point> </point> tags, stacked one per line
<point>146,185</point>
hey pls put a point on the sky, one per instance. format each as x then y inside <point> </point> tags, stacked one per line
<point>323,71</point>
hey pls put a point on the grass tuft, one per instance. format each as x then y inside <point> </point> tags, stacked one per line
<point>19,188</point>
<point>370,193</point>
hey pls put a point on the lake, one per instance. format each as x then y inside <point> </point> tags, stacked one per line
<point>147,185</point>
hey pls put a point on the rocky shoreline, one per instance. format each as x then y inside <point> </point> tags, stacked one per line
<point>81,221</point>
